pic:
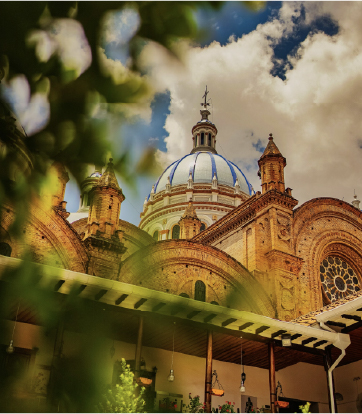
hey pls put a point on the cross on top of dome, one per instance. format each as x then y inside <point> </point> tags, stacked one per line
<point>204,132</point>
<point>205,104</point>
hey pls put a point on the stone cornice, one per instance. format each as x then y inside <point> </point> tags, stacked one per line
<point>284,261</point>
<point>196,190</point>
<point>105,244</point>
<point>205,205</point>
<point>330,201</point>
<point>244,213</point>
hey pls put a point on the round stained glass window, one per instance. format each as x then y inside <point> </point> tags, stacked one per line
<point>338,278</point>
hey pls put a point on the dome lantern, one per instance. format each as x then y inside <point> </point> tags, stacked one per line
<point>204,132</point>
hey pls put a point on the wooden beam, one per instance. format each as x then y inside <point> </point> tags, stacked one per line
<point>308,340</point>
<point>319,343</point>
<point>353,317</point>
<point>208,374</point>
<point>101,293</point>
<point>295,336</point>
<point>121,299</point>
<point>176,309</point>
<point>158,306</point>
<point>80,289</point>
<point>58,285</point>
<point>209,317</point>
<point>277,333</point>
<point>139,303</point>
<point>192,314</point>
<point>139,347</point>
<point>271,347</point>
<point>261,329</point>
<point>338,324</point>
<point>352,327</point>
<point>246,325</point>
<point>228,321</point>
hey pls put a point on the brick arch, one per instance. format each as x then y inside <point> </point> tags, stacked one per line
<point>173,266</point>
<point>48,232</point>
<point>321,227</point>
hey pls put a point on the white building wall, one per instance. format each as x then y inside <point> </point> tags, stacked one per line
<point>300,381</point>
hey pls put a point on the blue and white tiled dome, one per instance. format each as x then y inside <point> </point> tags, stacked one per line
<point>202,166</point>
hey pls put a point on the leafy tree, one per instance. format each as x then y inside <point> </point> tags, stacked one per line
<point>123,397</point>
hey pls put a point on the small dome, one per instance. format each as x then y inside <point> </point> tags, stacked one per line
<point>202,166</point>
<point>96,174</point>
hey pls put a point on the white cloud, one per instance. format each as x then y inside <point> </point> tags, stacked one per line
<point>66,38</point>
<point>120,26</point>
<point>32,111</point>
<point>315,114</point>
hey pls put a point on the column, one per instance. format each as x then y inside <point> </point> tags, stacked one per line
<point>138,348</point>
<point>208,375</point>
<point>272,387</point>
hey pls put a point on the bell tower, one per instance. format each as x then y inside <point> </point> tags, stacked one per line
<point>190,224</point>
<point>204,132</point>
<point>272,164</point>
<point>102,236</point>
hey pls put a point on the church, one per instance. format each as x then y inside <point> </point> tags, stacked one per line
<point>222,289</point>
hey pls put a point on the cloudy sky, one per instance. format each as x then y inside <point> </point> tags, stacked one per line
<point>293,69</point>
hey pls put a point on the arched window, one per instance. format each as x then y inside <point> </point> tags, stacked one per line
<point>203,227</point>
<point>5,249</point>
<point>200,291</point>
<point>209,139</point>
<point>176,231</point>
<point>202,138</point>
<point>155,235</point>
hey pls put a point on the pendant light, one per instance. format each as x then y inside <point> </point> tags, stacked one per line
<point>171,376</point>
<point>10,348</point>
<point>243,376</point>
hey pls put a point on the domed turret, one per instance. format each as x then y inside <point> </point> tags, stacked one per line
<point>204,132</point>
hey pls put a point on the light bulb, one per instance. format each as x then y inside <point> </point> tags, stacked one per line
<point>171,376</point>
<point>242,387</point>
<point>10,348</point>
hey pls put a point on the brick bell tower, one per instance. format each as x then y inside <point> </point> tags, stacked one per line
<point>102,237</point>
<point>269,237</point>
<point>190,224</point>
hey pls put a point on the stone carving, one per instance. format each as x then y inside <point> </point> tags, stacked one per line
<point>284,228</point>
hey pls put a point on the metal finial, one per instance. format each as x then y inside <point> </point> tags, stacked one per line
<point>205,104</point>
<point>270,136</point>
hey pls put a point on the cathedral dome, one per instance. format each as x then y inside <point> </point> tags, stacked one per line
<point>203,166</point>
<point>213,184</point>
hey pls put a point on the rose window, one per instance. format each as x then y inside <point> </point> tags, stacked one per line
<point>338,278</point>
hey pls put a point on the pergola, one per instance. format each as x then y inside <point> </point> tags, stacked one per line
<point>206,330</point>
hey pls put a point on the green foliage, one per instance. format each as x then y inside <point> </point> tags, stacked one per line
<point>225,408</point>
<point>305,408</point>
<point>123,397</point>
<point>194,405</point>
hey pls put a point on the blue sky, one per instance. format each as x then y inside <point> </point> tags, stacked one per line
<point>276,81</point>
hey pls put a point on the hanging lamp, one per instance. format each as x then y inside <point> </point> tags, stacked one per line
<point>243,376</point>
<point>10,348</point>
<point>171,376</point>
